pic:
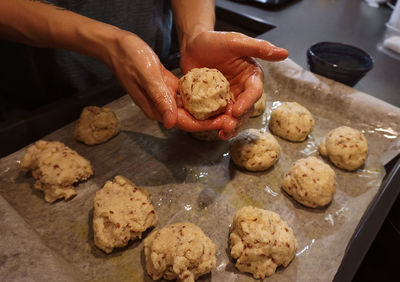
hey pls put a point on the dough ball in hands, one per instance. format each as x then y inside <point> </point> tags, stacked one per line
<point>96,125</point>
<point>179,251</point>
<point>260,105</point>
<point>310,182</point>
<point>56,168</point>
<point>291,121</point>
<point>346,148</point>
<point>261,241</point>
<point>122,212</point>
<point>204,92</point>
<point>254,150</point>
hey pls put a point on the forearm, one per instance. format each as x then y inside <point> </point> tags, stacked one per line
<point>192,17</point>
<point>43,25</point>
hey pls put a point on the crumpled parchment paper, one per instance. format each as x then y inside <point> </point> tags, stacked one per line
<point>195,181</point>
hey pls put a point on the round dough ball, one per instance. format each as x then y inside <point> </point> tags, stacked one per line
<point>310,182</point>
<point>346,148</point>
<point>261,241</point>
<point>96,125</point>
<point>179,251</point>
<point>211,135</point>
<point>259,106</point>
<point>205,92</point>
<point>291,121</point>
<point>254,150</point>
<point>56,168</point>
<point>122,212</point>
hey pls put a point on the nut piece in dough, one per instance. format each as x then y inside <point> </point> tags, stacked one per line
<point>205,92</point>
<point>261,241</point>
<point>179,251</point>
<point>259,106</point>
<point>55,168</point>
<point>254,150</point>
<point>122,212</point>
<point>310,182</point>
<point>346,148</point>
<point>96,125</point>
<point>211,135</point>
<point>291,121</point>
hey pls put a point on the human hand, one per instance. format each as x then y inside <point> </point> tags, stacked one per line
<point>151,86</point>
<point>231,53</point>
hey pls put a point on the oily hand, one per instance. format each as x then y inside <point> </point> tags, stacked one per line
<point>151,86</point>
<point>231,53</point>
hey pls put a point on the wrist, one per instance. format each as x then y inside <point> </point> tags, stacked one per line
<point>187,36</point>
<point>99,40</point>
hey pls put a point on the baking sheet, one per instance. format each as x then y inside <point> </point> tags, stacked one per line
<point>195,181</point>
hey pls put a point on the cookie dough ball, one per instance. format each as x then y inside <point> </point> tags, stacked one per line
<point>205,92</point>
<point>211,135</point>
<point>261,241</point>
<point>310,182</point>
<point>56,168</point>
<point>96,125</point>
<point>259,106</point>
<point>122,212</point>
<point>254,150</point>
<point>346,148</point>
<point>291,121</point>
<point>179,251</point>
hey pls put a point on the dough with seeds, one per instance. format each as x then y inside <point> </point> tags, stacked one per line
<point>96,125</point>
<point>204,92</point>
<point>345,147</point>
<point>254,150</point>
<point>261,241</point>
<point>56,168</point>
<point>260,105</point>
<point>291,121</point>
<point>310,182</point>
<point>179,251</point>
<point>122,212</point>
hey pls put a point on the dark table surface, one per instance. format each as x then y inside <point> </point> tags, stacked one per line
<point>299,24</point>
<point>296,25</point>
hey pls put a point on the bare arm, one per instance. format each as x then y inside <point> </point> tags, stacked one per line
<point>193,17</point>
<point>41,24</point>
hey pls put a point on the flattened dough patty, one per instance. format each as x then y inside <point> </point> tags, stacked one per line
<point>261,241</point>
<point>254,150</point>
<point>291,121</point>
<point>55,168</point>
<point>346,148</point>
<point>122,212</point>
<point>205,92</point>
<point>179,251</point>
<point>96,125</point>
<point>310,182</point>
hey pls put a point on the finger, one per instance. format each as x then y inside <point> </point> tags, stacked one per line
<point>246,100</point>
<point>188,123</point>
<point>164,101</point>
<point>143,102</point>
<point>243,45</point>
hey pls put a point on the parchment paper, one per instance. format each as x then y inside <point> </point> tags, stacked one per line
<point>195,181</point>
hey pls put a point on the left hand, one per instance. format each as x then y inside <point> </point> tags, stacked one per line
<point>231,53</point>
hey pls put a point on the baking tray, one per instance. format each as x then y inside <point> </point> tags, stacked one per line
<point>28,211</point>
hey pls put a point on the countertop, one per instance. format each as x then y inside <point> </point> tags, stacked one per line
<point>299,24</point>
